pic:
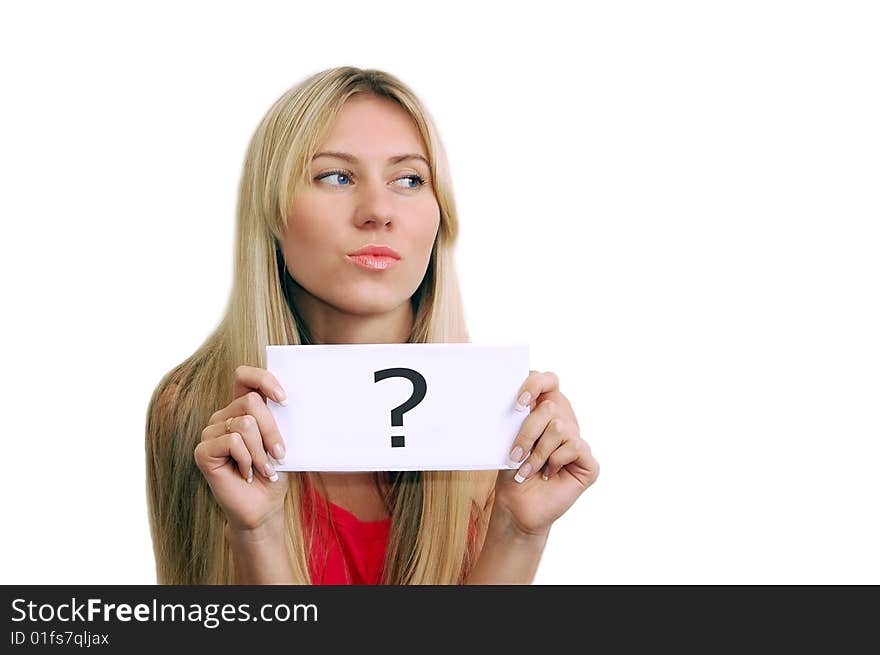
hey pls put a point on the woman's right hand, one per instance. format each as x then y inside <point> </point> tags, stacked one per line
<point>233,457</point>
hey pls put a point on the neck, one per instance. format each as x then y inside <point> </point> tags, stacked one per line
<point>363,493</point>
<point>329,325</point>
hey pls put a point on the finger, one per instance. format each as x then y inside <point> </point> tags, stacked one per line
<point>585,468</point>
<point>247,427</point>
<point>214,454</point>
<point>567,453</point>
<point>251,378</point>
<point>534,385</point>
<point>252,403</point>
<point>214,430</point>
<point>560,399</point>
<point>549,441</point>
<point>532,428</point>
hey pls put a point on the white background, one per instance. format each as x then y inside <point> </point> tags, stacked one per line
<point>675,204</point>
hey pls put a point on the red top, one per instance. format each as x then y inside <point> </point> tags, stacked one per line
<point>355,554</point>
<point>348,551</point>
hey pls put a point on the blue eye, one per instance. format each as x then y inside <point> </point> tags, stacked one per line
<point>417,180</point>
<point>337,174</point>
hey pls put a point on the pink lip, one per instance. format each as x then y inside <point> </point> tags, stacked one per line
<point>373,262</point>
<point>378,251</point>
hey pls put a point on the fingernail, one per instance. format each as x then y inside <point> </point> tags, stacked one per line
<point>523,473</point>
<point>523,403</point>
<point>281,397</point>
<point>270,472</point>
<point>250,477</point>
<point>278,450</point>
<point>516,455</point>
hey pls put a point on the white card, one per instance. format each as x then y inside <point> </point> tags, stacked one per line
<point>348,408</point>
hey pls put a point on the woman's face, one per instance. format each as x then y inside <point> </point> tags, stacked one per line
<point>370,198</point>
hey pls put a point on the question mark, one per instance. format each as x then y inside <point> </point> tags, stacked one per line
<point>420,388</point>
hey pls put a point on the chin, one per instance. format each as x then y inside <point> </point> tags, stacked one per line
<point>371,303</point>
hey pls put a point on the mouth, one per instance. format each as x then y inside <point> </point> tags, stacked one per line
<point>373,262</point>
<point>374,257</point>
<point>374,250</point>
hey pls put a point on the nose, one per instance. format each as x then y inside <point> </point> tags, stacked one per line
<point>374,206</point>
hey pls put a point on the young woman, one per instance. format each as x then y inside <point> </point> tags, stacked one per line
<point>348,159</point>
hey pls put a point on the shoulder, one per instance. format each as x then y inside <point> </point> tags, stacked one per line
<point>484,499</point>
<point>165,399</point>
<point>164,410</point>
<point>484,489</point>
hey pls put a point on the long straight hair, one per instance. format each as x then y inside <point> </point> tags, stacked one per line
<point>431,511</point>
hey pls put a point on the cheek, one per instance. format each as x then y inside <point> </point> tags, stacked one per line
<point>301,228</point>
<point>305,249</point>
<point>305,235</point>
<point>429,226</point>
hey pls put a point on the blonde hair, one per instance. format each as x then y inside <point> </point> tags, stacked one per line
<point>430,510</point>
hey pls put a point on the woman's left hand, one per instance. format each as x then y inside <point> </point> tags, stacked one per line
<point>559,467</point>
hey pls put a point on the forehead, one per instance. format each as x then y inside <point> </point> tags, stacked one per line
<point>369,126</point>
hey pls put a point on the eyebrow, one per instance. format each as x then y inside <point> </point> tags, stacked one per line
<point>354,160</point>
